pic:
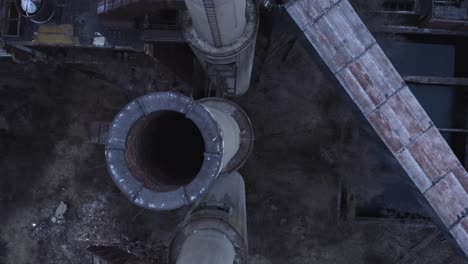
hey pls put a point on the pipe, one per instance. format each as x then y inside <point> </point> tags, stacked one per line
<point>454,130</point>
<point>164,150</point>
<point>222,34</point>
<point>215,230</point>
<point>207,247</point>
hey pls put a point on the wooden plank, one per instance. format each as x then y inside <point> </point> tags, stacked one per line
<point>64,29</point>
<point>408,223</point>
<point>454,130</point>
<point>410,30</point>
<point>452,81</point>
<point>412,253</point>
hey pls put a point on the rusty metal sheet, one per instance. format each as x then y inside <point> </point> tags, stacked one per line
<point>406,116</point>
<point>433,154</point>
<point>385,72</point>
<point>339,37</point>
<point>367,80</point>
<point>354,89</point>
<point>462,176</point>
<point>460,233</point>
<point>393,117</point>
<point>381,80</point>
<point>351,26</point>
<point>417,111</point>
<point>305,13</point>
<point>384,129</point>
<point>414,171</point>
<point>449,199</point>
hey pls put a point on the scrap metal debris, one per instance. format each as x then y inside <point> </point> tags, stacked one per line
<point>40,231</point>
<point>60,213</point>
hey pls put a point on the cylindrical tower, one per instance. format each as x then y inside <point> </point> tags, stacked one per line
<point>218,22</point>
<point>215,231</point>
<point>164,150</point>
<point>222,34</point>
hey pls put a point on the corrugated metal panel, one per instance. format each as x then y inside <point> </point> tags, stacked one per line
<point>362,68</point>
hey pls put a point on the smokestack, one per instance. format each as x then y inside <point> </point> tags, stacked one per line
<point>164,150</point>
<point>215,231</point>
<point>218,22</point>
<point>222,34</point>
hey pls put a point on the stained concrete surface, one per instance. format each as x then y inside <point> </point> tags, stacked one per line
<point>47,157</point>
<point>310,140</point>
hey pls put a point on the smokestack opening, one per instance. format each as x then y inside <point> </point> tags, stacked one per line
<point>165,150</point>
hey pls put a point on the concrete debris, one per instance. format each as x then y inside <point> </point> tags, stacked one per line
<point>99,40</point>
<point>60,213</point>
<point>66,251</point>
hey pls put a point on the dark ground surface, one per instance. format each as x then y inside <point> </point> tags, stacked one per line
<point>310,140</point>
